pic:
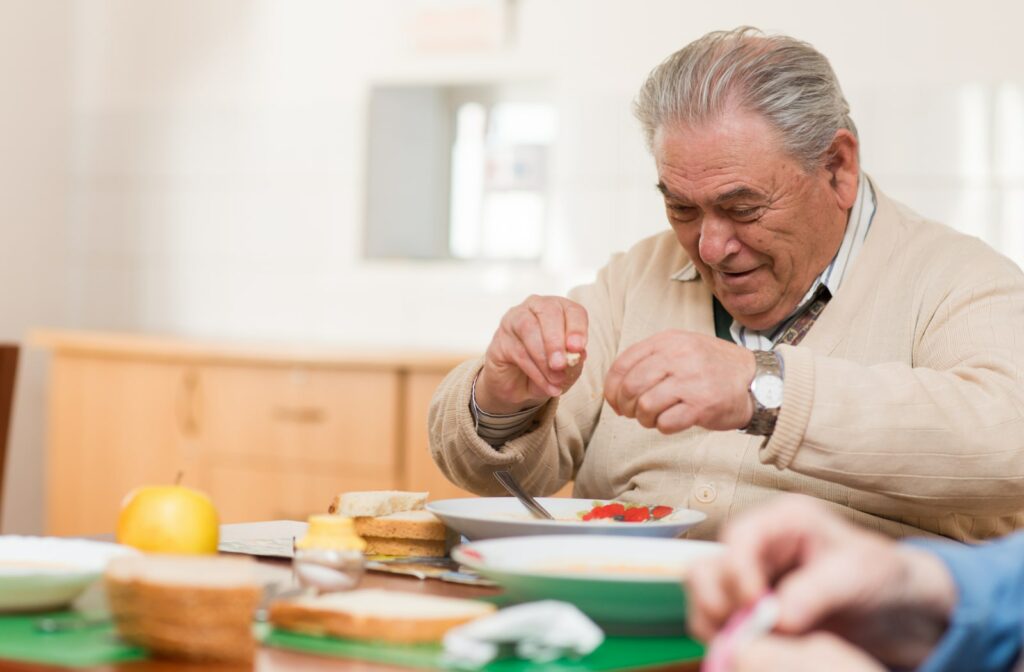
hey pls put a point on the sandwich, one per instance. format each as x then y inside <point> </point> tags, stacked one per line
<point>377,615</point>
<point>418,533</point>
<point>394,523</point>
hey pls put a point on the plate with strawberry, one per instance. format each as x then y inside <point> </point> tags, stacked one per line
<point>493,517</point>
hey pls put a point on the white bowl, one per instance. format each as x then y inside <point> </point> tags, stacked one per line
<point>629,586</point>
<point>39,573</point>
<point>493,517</point>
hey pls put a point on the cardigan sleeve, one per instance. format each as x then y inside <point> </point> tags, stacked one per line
<point>945,430</point>
<point>548,456</point>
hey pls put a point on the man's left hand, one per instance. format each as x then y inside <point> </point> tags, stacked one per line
<point>678,379</point>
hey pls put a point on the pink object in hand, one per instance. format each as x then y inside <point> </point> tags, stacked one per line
<point>743,627</point>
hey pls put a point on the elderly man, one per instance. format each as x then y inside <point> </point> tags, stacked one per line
<point>868,357</point>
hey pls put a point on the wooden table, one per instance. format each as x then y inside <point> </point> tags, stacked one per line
<point>276,660</point>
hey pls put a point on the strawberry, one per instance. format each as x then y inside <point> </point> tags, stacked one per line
<point>615,509</point>
<point>659,512</point>
<point>637,514</point>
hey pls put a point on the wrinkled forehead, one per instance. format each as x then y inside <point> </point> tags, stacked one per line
<point>738,155</point>
<point>737,131</point>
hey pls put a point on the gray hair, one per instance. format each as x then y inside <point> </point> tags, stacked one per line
<point>785,80</point>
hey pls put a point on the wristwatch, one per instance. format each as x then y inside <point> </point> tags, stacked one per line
<point>765,392</point>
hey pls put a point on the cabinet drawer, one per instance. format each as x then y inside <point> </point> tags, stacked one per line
<point>300,419</point>
<point>254,492</point>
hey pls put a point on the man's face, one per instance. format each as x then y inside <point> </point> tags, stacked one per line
<point>758,227</point>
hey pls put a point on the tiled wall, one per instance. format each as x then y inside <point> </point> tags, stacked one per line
<point>217,183</point>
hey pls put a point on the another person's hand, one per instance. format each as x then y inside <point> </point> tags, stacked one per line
<point>675,380</point>
<point>526,364</point>
<point>890,599</point>
<point>809,653</point>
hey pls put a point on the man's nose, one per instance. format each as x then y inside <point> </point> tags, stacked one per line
<point>717,241</point>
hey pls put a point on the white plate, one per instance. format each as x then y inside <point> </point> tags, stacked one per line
<point>629,586</point>
<point>38,573</point>
<point>491,517</point>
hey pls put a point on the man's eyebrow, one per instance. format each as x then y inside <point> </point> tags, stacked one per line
<point>739,192</point>
<point>732,194</point>
<point>668,194</point>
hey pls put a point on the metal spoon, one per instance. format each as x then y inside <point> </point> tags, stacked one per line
<point>509,482</point>
<point>72,622</point>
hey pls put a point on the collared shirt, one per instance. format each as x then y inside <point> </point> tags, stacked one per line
<point>857,226</point>
<point>498,429</point>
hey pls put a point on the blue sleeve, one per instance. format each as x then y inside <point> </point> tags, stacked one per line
<point>986,629</point>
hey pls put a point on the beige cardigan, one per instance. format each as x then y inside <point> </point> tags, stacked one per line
<point>904,405</point>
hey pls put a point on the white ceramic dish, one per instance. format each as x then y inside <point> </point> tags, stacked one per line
<point>629,586</point>
<point>492,517</point>
<point>38,573</point>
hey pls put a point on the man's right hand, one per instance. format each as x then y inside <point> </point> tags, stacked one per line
<point>525,364</point>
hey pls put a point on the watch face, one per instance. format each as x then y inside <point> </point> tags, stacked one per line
<point>768,391</point>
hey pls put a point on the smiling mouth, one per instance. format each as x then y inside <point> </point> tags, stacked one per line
<point>737,275</point>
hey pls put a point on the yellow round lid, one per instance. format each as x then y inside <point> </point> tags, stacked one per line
<point>330,532</point>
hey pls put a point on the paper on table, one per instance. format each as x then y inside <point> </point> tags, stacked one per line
<point>273,538</point>
<point>540,631</point>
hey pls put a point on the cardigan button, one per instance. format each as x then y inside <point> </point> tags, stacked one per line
<point>706,493</point>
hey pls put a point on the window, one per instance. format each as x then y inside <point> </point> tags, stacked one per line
<point>458,172</point>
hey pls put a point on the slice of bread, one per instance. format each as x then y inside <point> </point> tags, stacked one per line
<point>376,503</point>
<point>186,607</point>
<point>402,525</point>
<point>423,548</point>
<point>380,615</point>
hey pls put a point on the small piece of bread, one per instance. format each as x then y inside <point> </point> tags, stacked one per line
<point>424,548</point>
<point>186,607</point>
<point>376,503</point>
<point>402,525</point>
<point>377,615</point>
<point>572,359</point>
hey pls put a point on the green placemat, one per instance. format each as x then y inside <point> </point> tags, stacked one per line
<point>616,653</point>
<point>21,640</point>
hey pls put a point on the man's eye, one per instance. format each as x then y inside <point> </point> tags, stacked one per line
<point>683,213</point>
<point>746,214</point>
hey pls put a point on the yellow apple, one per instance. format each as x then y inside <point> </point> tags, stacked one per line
<point>168,519</point>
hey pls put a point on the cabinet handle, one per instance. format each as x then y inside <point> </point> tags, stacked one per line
<point>188,405</point>
<point>306,415</point>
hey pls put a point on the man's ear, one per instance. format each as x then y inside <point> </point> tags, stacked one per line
<point>843,167</point>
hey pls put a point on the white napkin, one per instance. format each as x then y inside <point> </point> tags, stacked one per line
<point>540,631</point>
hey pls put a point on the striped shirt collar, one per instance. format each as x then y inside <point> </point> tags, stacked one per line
<point>857,225</point>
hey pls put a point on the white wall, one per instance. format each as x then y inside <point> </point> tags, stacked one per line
<point>217,152</point>
<point>34,95</point>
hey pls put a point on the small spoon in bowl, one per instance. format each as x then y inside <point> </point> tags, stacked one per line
<point>509,482</point>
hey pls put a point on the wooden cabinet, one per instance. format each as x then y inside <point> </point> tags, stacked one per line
<point>114,427</point>
<point>269,434</point>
